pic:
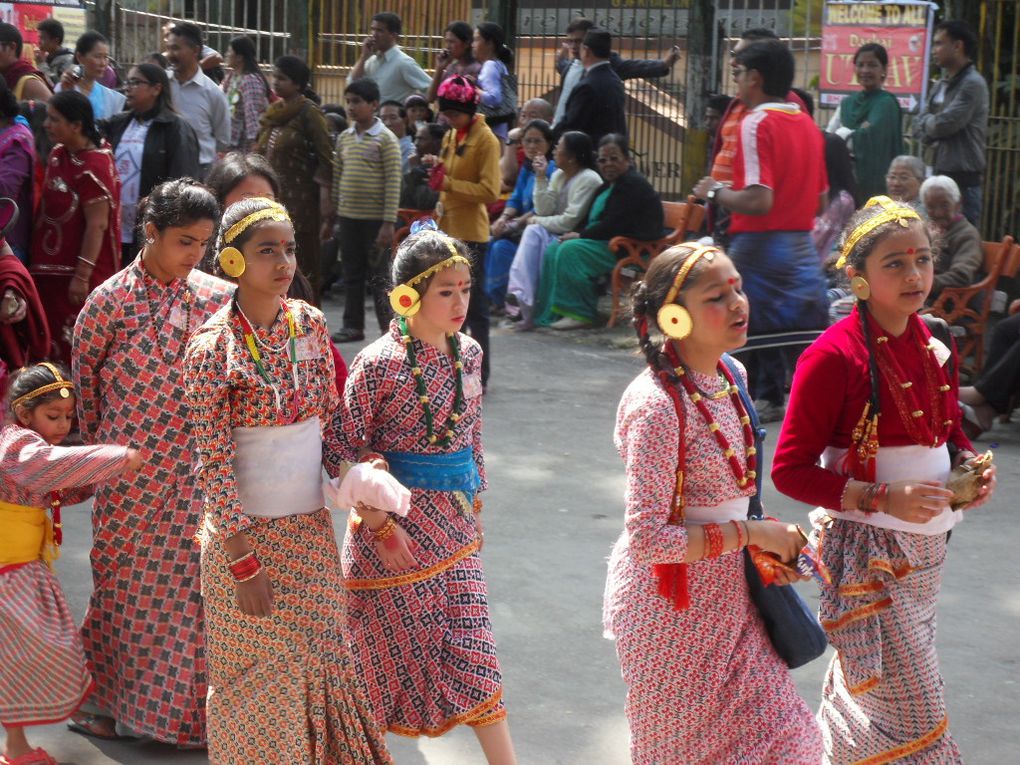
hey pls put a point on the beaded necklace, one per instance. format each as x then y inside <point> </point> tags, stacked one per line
<point>458,402</point>
<point>743,474</point>
<point>253,350</point>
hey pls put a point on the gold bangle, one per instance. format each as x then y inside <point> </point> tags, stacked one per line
<point>387,530</point>
<point>247,555</point>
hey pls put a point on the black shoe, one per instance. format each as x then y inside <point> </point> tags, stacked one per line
<point>348,335</point>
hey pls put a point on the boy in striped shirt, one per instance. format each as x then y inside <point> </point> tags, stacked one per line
<point>366,193</point>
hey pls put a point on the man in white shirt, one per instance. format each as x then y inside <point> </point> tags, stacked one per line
<point>197,98</point>
<point>397,74</point>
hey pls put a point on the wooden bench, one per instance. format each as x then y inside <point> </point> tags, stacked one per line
<point>680,218</point>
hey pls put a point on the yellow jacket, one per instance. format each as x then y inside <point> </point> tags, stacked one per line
<point>472,182</point>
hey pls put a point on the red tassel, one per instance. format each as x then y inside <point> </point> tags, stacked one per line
<point>673,584</point>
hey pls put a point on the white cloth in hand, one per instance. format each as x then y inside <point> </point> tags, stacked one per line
<point>370,486</point>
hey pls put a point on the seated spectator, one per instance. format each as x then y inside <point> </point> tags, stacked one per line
<point>903,182</point>
<point>560,206</point>
<point>508,228</point>
<point>394,118</point>
<point>17,162</point>
<point>625,205</point>
<point>92,52</point>
<point>151,144</point>
<point>999,382</point>
<point>513,157</point>
<point>51,56</point>
<point>960,257</point>
<point>418,112</point>
<point>24,334</point>
<point>415,191</point>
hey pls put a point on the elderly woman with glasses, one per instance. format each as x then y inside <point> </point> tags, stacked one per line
<point>903,182</point>
<point>151,144</point>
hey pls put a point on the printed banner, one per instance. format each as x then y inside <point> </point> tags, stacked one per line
<point>26,16</point>
<point>903,28</point>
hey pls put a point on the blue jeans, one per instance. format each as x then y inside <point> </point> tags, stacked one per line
<point>972,200</point>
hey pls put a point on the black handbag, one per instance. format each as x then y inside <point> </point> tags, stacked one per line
<point>791,626</point>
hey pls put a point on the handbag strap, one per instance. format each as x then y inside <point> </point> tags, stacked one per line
<point>754,508</point>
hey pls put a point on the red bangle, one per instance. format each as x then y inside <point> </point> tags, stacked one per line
<point>373,456</point>
<point>880,495</point>
<point>245,567</point>
<point>741,542</point>
<point>713,540</point>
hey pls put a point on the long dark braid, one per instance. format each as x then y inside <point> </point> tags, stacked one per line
<point>875,400</point>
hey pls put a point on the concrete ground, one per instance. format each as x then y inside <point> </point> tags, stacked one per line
<point>554,509</point>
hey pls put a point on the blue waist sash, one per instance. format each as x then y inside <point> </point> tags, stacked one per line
<point>452,471</point>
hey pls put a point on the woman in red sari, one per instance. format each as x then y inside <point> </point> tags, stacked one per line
<point>76,242</point>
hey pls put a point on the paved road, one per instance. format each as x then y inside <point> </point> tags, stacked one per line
<point>552,514</point>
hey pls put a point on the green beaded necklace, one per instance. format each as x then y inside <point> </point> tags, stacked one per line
<point>419,382</point>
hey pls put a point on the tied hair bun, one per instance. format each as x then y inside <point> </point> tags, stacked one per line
<point>460,89</point>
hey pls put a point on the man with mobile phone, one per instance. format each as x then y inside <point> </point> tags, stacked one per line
<point>397,74</point>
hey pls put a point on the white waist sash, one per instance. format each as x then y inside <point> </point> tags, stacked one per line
<point>279,469</point>
<point>730,510</point>
<point>901,463</point>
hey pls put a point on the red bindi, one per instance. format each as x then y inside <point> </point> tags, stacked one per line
<point>731,280</point>
<point>911,251</point>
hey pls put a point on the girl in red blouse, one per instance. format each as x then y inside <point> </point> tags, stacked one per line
<point>871,433</point>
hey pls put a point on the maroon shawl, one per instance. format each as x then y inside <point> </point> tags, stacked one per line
<point>28,340</point>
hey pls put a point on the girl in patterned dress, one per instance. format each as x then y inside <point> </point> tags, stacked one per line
<point>43,677</point>
<point>260,381</point>
<point>417,613</point>
<point>143,630</point>
<point>705,686</point>
<point>884,512</point>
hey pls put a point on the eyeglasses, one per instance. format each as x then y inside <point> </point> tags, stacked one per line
<point>135,83</point>
<point>900,178</point>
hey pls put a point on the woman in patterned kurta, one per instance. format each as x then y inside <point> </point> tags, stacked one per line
<point>882,700</point>
<point>143,630</point>
<point>705,685</point>
<point>76,241</point>
<point>281,683</point>
<point>294,138</point>
<point>421,638</point>
<point>43,677</point>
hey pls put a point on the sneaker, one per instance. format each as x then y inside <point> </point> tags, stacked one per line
<point>348,335</point>
<point>769,412</point>
<point>568,322</point>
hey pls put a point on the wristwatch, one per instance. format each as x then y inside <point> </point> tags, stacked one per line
<point>710,196</point>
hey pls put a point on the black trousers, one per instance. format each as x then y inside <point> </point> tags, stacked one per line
<point>478,309</point>
<point>363,263</point>
<point>1000,379</point>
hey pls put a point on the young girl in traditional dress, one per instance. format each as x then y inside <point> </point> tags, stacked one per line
<point>260,381</point>
<point>143,631</point>
<point>417,616</point>
<point>884,515</point>
<point>705,686</point>
<point>43,677</point>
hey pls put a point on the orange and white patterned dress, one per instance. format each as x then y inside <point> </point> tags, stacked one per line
<point>281,687</point>
<point>704,685</point>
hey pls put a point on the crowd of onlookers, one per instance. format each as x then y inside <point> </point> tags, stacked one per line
<point>536,189</point>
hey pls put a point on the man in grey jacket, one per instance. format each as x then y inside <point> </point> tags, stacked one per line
<point>954,122</point>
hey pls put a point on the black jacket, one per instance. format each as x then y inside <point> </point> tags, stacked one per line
<point>171,148</point>
<point>627,68</point>
<point>633,209</point>
<point>596,105</point>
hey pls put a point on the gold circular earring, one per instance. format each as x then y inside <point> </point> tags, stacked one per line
<point>232,262</point>
<point>675,321</point>
<point>860,287</point>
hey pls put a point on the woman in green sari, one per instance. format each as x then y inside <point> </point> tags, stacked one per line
<point>295,140</point>
<point>870,122</point>
<point>625,205</point>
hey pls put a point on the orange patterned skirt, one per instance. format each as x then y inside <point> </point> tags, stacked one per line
<point>282,688</point>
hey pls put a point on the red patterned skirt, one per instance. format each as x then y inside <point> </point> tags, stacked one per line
<point>882,700</point>
<point>283,689</point>
<point>43,678</point>
<point>704,685</point>
<point>422,640</point>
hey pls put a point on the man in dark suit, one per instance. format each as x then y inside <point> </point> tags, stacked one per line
<point>596,103</point>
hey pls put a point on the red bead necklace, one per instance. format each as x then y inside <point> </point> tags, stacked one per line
<point>743,474</point>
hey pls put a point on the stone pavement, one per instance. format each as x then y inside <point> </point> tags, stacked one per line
<point>554,509</point>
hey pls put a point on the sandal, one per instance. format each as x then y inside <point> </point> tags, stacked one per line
<point>37,756</point>
<point>89,726</point>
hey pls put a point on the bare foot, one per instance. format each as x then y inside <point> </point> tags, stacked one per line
<point>16,745</point>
